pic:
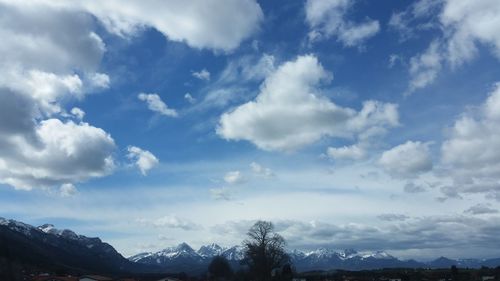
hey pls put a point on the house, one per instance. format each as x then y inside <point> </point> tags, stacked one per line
<point>95,278</point>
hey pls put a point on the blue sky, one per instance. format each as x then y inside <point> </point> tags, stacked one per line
<point>349,124</point>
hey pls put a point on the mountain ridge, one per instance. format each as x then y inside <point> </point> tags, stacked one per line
<point>319,259</point>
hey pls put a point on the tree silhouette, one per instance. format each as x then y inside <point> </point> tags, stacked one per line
<point>219,268</point>
<point>264,250</point>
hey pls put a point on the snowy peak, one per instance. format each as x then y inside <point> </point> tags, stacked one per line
<point>66,233</point>
<point>182,250</point>
<point>322,253</point>
<point>347,253</point>
<point>14,225</point>
<point>378,255</point>
<point>211,250</point>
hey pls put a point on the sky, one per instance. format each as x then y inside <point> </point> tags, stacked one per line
<point>372,125</point>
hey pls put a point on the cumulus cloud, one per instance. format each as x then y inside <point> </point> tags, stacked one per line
<point>327,18</point>
<point>51,56</point>
<point>261,171</point>
<point>56,153</point>
<point>212,24</point>
<point>407,160</point>
<point>67,190</point>
<point>143,159</point>
<point>481,209</point>
<point>234,177</point>
<point>202,74</point>
<point>471,153</point>
<point>290,111</point>
<point>155,104</point>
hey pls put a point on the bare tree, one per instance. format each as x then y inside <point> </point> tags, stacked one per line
<point>264,250</point>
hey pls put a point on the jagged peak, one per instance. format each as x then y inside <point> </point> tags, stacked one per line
<point>210,250</point>
<point>184,246</point>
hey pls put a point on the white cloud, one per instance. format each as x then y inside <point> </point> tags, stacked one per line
<point>51,56</point>
<point>471,153</point>
<point>202,74</point>
<point>290,111</point>
<point>327,18</point>
<point>481,209</point>
<point>58,153</point>
<point>67,190</point>
<point>78,113</point>
<point>465,25</point>
<point>407,160</point>
<point>99,80</point>
<point>189,98</point>
<point>234,177</point>
<point>155,104</point>
<point>261,171</point>
<point>352,152</point>
<point>144,159</point>
<point>212,24</point>
<point>425,67</point>
<point>469,22</point>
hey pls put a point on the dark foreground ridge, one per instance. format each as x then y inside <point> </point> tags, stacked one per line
<point>45,249</point>
<point>48,249</point>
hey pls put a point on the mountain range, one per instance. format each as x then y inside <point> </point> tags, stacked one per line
<point>53,249</point>
<point>184,256</point>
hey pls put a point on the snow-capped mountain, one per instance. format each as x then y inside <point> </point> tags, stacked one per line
<point>184,258</point>
<point>319,259</point>
<point>210,250</point>
<point>184,252</point>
